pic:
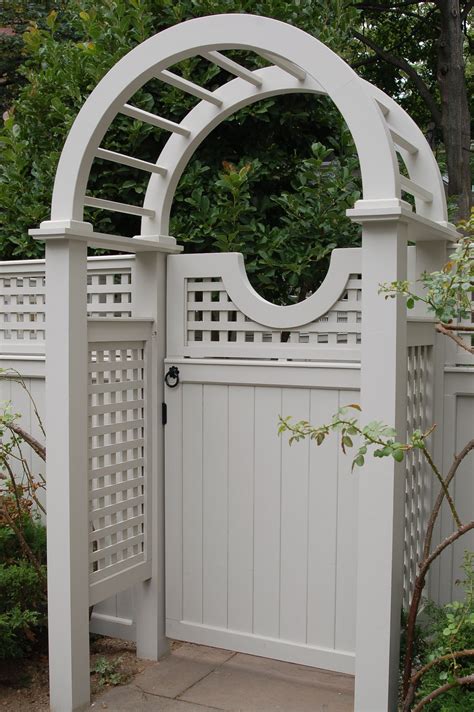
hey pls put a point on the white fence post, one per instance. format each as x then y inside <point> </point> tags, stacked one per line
<point>381,481</point>
<point>66,429</point>
<point>149,299</point>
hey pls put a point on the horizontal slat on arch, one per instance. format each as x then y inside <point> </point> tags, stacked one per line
<point>114,206</point>
<point>129,161</point>
<point>233,67</point>
<point>415,189</point>
<point>188,87</point>
<point>154,120</point>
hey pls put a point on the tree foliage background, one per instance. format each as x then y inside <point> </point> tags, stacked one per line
<point>273,181</point>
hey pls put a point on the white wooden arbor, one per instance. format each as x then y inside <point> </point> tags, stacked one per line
<point>98,449</point>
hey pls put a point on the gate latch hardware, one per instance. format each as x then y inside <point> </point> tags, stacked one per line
<point>172,377</point>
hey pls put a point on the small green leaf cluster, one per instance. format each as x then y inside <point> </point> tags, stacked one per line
<point>22,598</point>
<point>376,435</point>
<point>108,671</point>
<point>447,293</point>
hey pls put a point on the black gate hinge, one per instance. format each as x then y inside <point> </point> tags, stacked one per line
<point>164,413</point>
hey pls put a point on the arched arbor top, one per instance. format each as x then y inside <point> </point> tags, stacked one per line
<point>299,63</point>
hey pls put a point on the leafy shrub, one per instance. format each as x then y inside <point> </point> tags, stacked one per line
<point>444,631</point>
<point>22,536</point>
<point>22,596</point>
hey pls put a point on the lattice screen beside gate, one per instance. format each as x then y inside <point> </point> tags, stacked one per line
<point>117,460</point>
<point>417,482</point>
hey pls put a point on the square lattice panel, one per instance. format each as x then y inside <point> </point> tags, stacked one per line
<point>117,483</point>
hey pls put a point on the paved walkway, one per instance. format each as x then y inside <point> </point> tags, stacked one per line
<point>195,678</point>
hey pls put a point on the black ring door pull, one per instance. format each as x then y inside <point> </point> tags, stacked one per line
<point>172,377</point>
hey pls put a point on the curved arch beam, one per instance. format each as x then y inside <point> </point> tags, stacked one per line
<point>202,120</point>
<point>422,167</point>
<point>219,32</point>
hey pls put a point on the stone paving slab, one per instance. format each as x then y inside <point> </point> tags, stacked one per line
<point>196,678</point>
<point>250,684</point>
<point>131,699</point>
<point>185,666</point>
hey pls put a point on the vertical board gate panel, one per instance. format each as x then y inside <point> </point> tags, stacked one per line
<point>260,537</point>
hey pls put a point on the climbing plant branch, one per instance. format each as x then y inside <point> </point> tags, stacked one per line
<point>447,295</point>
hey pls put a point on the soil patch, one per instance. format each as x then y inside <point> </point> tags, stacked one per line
<point>24,683</point>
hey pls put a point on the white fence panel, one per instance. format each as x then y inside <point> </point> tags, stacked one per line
<point>458,420</point>
<point>256,605</point>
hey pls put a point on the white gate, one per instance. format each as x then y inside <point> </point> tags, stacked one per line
<point>260,537</point>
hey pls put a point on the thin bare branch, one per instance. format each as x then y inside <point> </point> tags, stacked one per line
<point>439,500</point>
<point>441,328</point>
<point>35,445</point>
<point>405,66</point>
<point>459,682</point>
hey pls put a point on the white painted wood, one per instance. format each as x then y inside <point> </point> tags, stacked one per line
<point>233,67</point>
<point>215,505</point>
<point>230,267</point>
<point>149,298</point>
<point>241,508</point>
<point>289,67</point>
<point>262,645</point>
<point>381,482</point>
<point>192,495</point>
<point>305,374</point>
<point>399,140</point>
<point>323,524</point>
<point>159,243</point>
<point>204,118</point>
<point>116,207</point>
<point>188,87</point>
<point>66,424</point>
<point>301,53</point>
<point>346,548</point>
<point>421,164</point>
<point>279,519</point>
<point>267,512</point>
<point>158,121</point>
<point>115,157</point>
<point>173,505</point>
<point>294,524</point>
<point>409,186</point>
